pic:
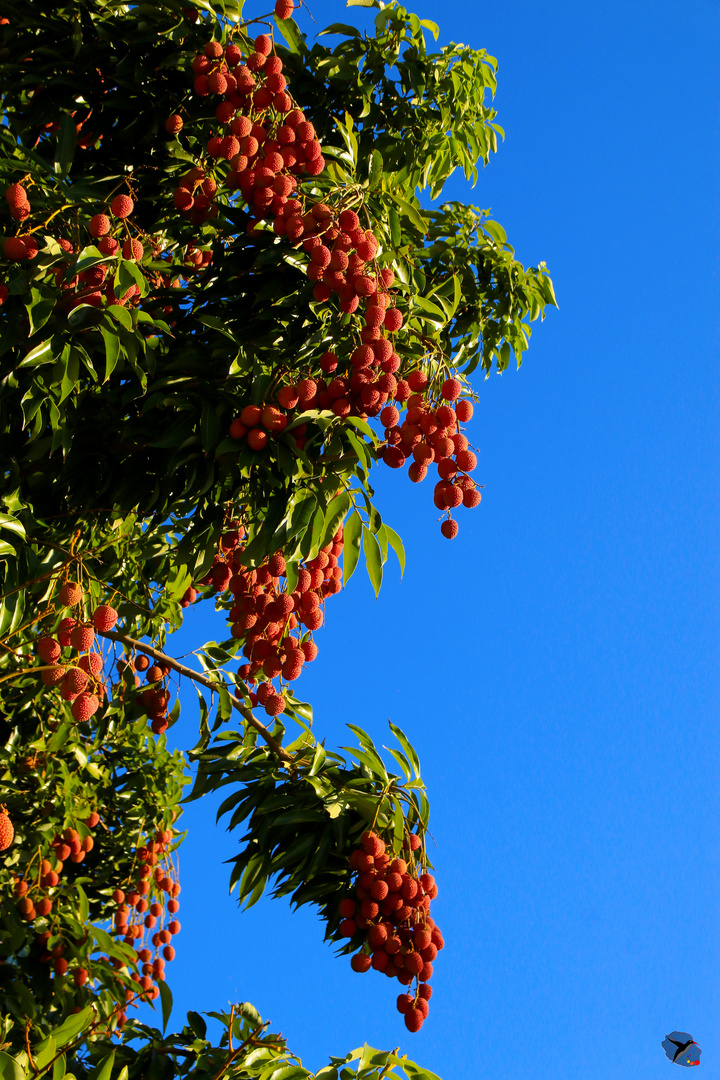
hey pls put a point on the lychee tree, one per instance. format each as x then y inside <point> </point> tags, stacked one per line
<point>223,304</point>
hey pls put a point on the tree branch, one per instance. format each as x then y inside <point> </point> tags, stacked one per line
<point>181,669</point>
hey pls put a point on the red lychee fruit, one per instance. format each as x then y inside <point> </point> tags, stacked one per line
<point>48,649</point>
<point>70,594</point>
<point>133,249</point>
<point>76,680</point>
<point>82,637</point>
<point>393,320</point>
<point>449,529</point>
<point>99,225</point>
<point>84,706</point>
<point>92,663</point>
<point>122,206</point>
<point>7,832</point>
<point>451,389</point>
<point>173,124</point>
<point>104,618</point>
<point>360,961</point>
<point>413,1019</point>
<point>464,411</point>
<point>16,195</point>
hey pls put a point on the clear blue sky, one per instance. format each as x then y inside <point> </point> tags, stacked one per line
<point>557,665</point>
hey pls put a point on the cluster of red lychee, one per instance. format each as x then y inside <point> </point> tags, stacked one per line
<point>369,381</point>
<point>35,889</point>
<point>266,143</point>
<point>264,615</point>
<point>391,911</point>
<point>140,915</point>
<point>431,434</point>
<point>155,697</point>
<point>80,680</point>
<point>91,286</point>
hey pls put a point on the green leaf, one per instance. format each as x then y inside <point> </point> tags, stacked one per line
<point>291,32</point>
<point>112,350</point>
<point>397,545</point>
<point>104,1069</point>
<point>43,353</point>
<point>351,545</point>
<point>494,229</point>
<point>65,143</point>
<point>167,1003</point>
<point>373,559</point>
<point>411,212</point>
<point>121,315</point>
<point>407,747</point>
<point>74,1024</point>
<point>9,1068</point>
<point>334,516</point>
<point>83,905</point>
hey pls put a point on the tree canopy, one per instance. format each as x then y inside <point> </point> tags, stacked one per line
<point>225,300</point>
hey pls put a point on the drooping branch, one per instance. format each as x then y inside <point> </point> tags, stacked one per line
<point>181,669</point>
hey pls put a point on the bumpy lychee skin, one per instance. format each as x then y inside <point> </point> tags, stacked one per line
<point>122,206</point>
<point>7,832</point>
<point>133,250</point>
<point>82,637</point>
<point>16,195</point>
<point>70,594</point>
<point>84,706</point>
<point>48,649</point>
<point>99,225</point>
<point>104,618</point>
<point>360,962</point>
<point>413,1019</point>
<point>173,124</point>
<point>451,389</point>
<point>449,529</point>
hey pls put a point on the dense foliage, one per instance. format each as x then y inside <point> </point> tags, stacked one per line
<point>223,304</point>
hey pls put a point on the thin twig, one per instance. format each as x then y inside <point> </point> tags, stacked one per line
<point>247,715</point>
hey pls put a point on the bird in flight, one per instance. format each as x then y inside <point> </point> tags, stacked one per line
<point>681,1048</point>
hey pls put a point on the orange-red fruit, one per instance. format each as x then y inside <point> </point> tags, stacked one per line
<point>347,927</point>
<point>464,411</point>
<point>70,594</point>
<point>413,1019</point>
<point>104,618</point>
<point>93,820</point>
<point>122,206</point>
<point>173,124</point>
<point>257,439</point>
<point>360,962</point>
<point>449,529</point>
<point>80,977</point>
<point>44,906</point>
<point>404,1002</point>
<point>7,832</point>
<point>84,706</point>
<point>48,649</point>
<point>451,389</point>
<point>82,637</point>
<point>16,195</point>
<point>133,249</point>
<point>99,225</point>
<point>154,674</point>
<point>76,680</point>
